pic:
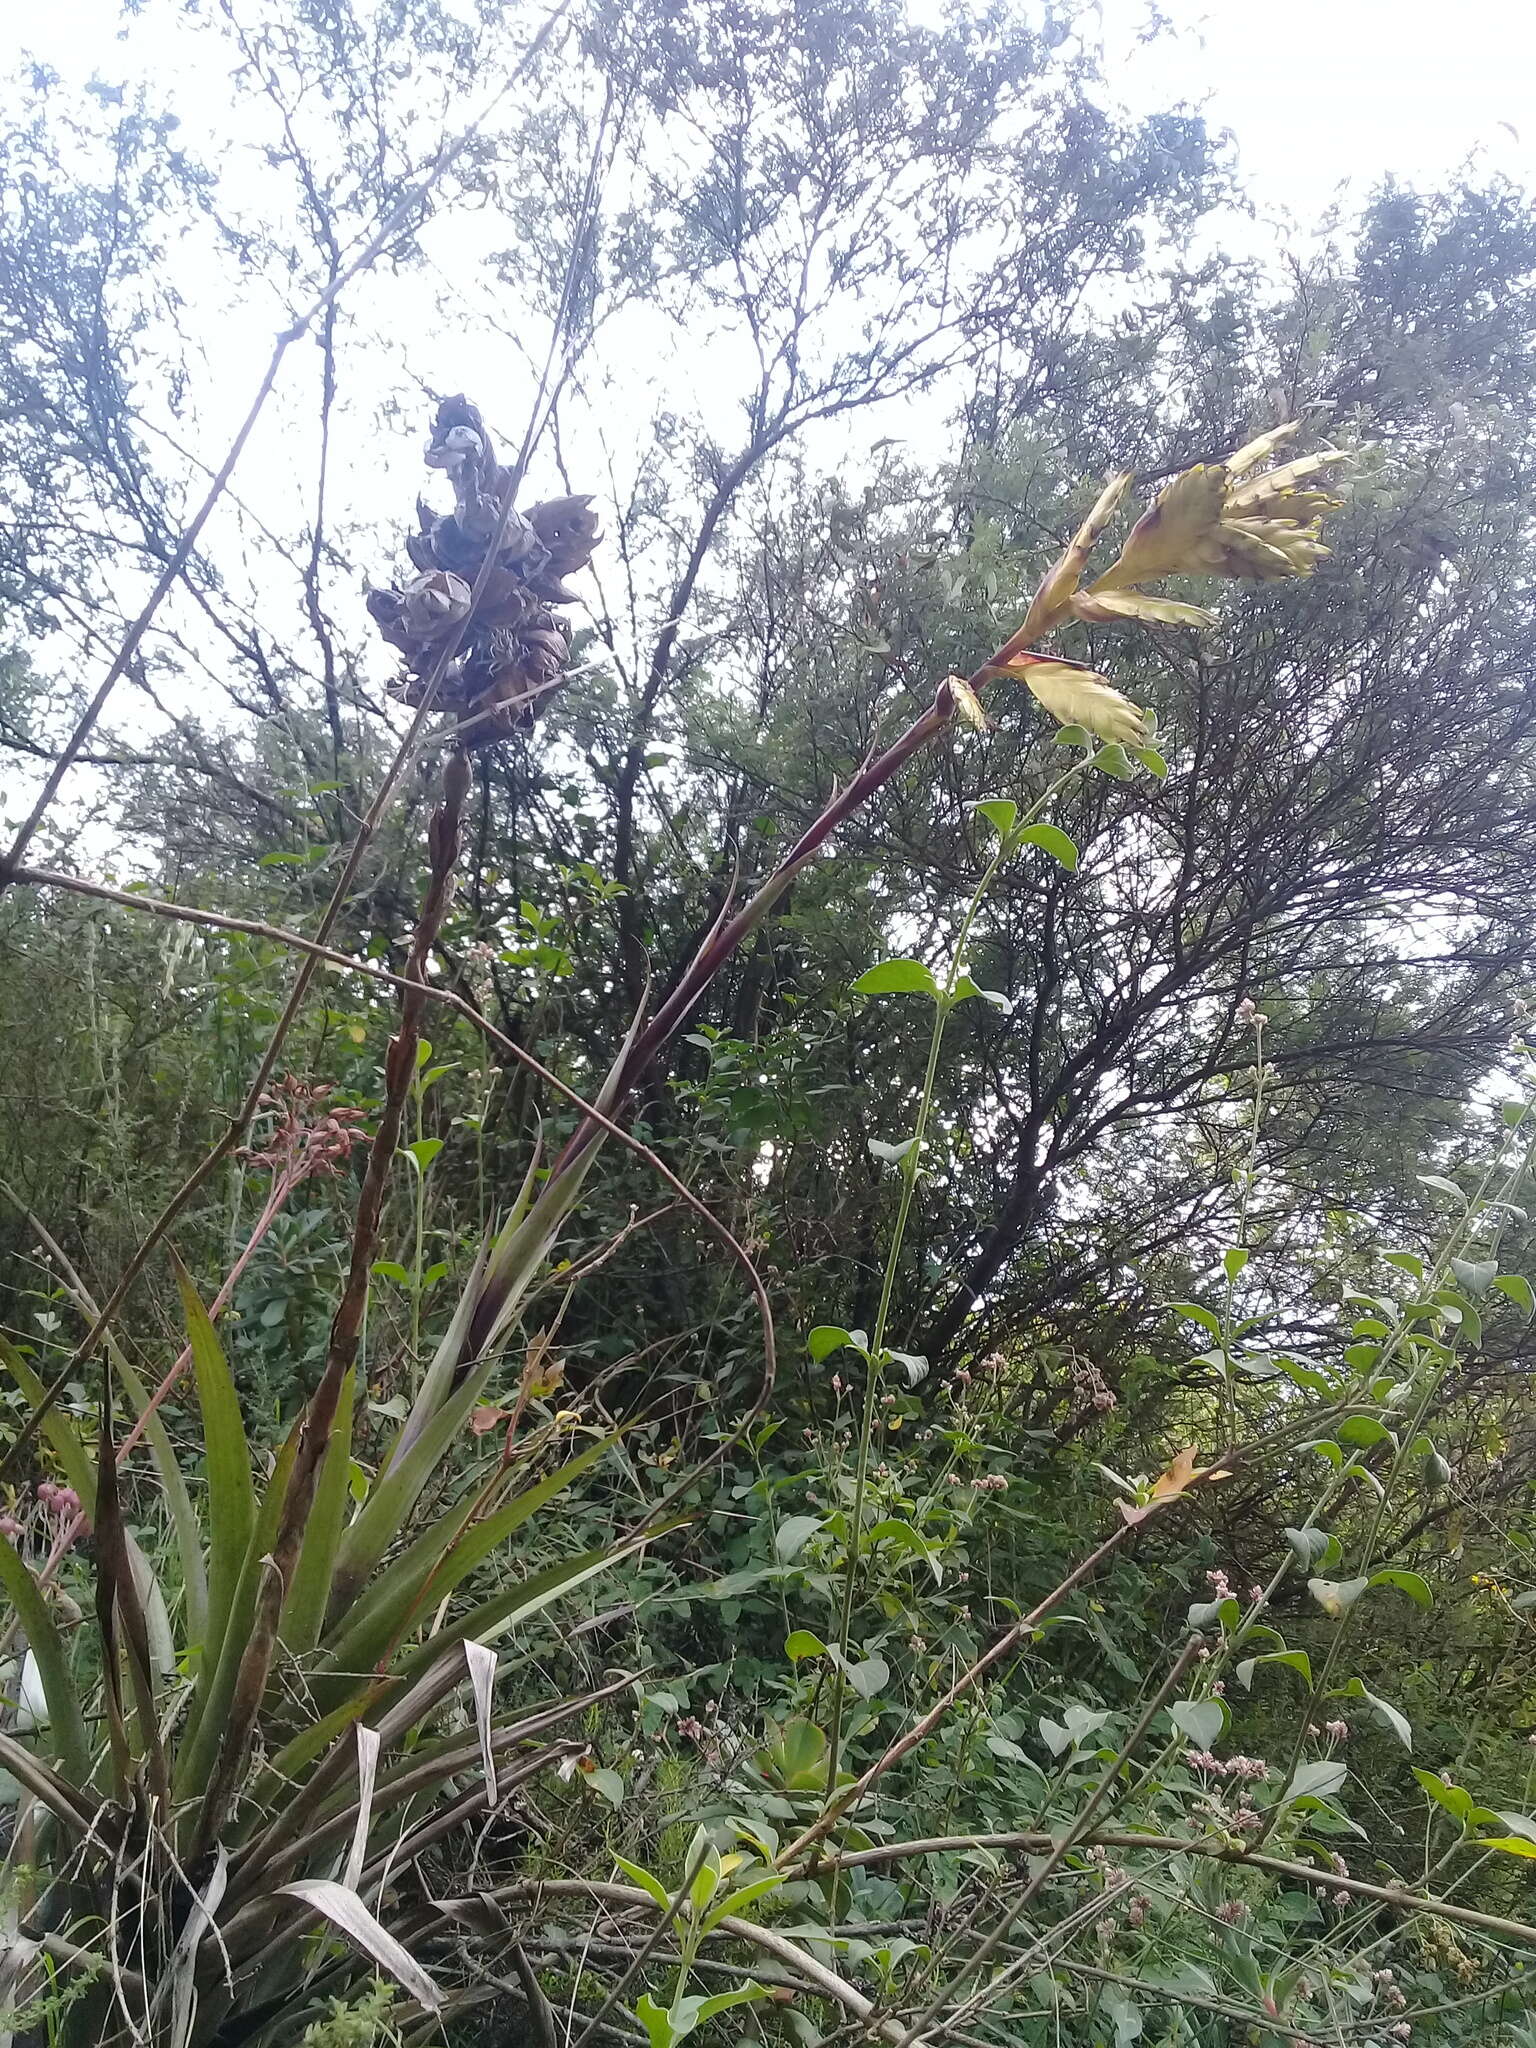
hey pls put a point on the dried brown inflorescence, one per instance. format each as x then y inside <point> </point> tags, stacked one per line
<point>513,646</point>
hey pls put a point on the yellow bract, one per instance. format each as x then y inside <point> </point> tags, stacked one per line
<point>1074,695</point>
<point>1216,519</point>
<point>1208,522</point>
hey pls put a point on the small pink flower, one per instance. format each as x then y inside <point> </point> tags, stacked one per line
<point>1337,1731</point>
<point>1233,1913</point>
<point>9,1526</point>
<point>1341,1898</point>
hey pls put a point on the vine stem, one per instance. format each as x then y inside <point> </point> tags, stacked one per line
<point>1008,843</point>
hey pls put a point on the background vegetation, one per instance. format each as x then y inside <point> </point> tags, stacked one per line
<point>841,320</point>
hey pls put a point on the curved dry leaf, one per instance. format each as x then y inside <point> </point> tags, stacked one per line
<point>346,1911</point>
<point>1252,453</point>
<point>1180,1476</point>
<point>1051,601</point>
<point>1102,606</point>
<point>1075,695</point>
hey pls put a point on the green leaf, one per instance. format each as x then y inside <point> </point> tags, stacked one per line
<point>65,1734</point>
<point>1337,1596</point>
<point>1114,760</point>
<point>891,1154</point>
<point>965,988</point>
<point>494,1617</point>
<point>400,1484</point>
<point>443,1557</point>
<point>868,1676</point>
<point>829,1337</point>
<point>742,1897</point>
<point>1364,1430</point>
<point>1456,1799</point>
<point>801,1643</point>
<point>1201,1720</point>
<point>898,978</point>
<point>310,1592</point>
<point>59,1430</point>
<point>1197,1314</point>
<point>1475,1276</point>
<point>1073,736</point>
<point>1000,813</point>
<point>657,2021</point>
<point>606,1784</point>
<point>1398,1722</point>
<point>391,1269</point>
<point>1298,1660</point>
<point>189,1533</point>
<point>905,1537</point>
<point>1233,1260</point>
<point>423,1152</point>
<point>1151,760</point>
<point>231,1492</point>
<point>793,1534</point>
<point>797,1754</point>
<point>1410,1583</point>
<point>1406,1262</point>
<point>1307,1545</point>
<point>1442,1186</point>
<point>1516,1288</point>
<point>1510,1845</point>
<point>1050,839</point>
<point>912,1363</point>
<point>1319,1780</point>
<point>676,2022</point>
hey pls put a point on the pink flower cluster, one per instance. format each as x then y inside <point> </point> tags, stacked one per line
<point>1089,1384</point>
<point>62,1502</point>
<point>1248,1769</point>
<point>307,1137</point>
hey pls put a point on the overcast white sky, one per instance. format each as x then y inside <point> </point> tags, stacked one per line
<point>1324,97</point>
<point>1323,92</point>
<point>1317,92</point>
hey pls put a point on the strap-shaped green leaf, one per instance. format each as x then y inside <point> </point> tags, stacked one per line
<point>65,1733</point>
<point>443,1555</point>
<point>231,1491</point>
<point>310,1593</point>
<point>189,1532</point>
<point>215,1690</point>
<point>386,1509</point>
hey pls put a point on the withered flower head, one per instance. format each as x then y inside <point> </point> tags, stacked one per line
<point>511,647</point>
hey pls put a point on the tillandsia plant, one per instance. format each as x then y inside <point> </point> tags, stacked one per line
<point>239,1782</point>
